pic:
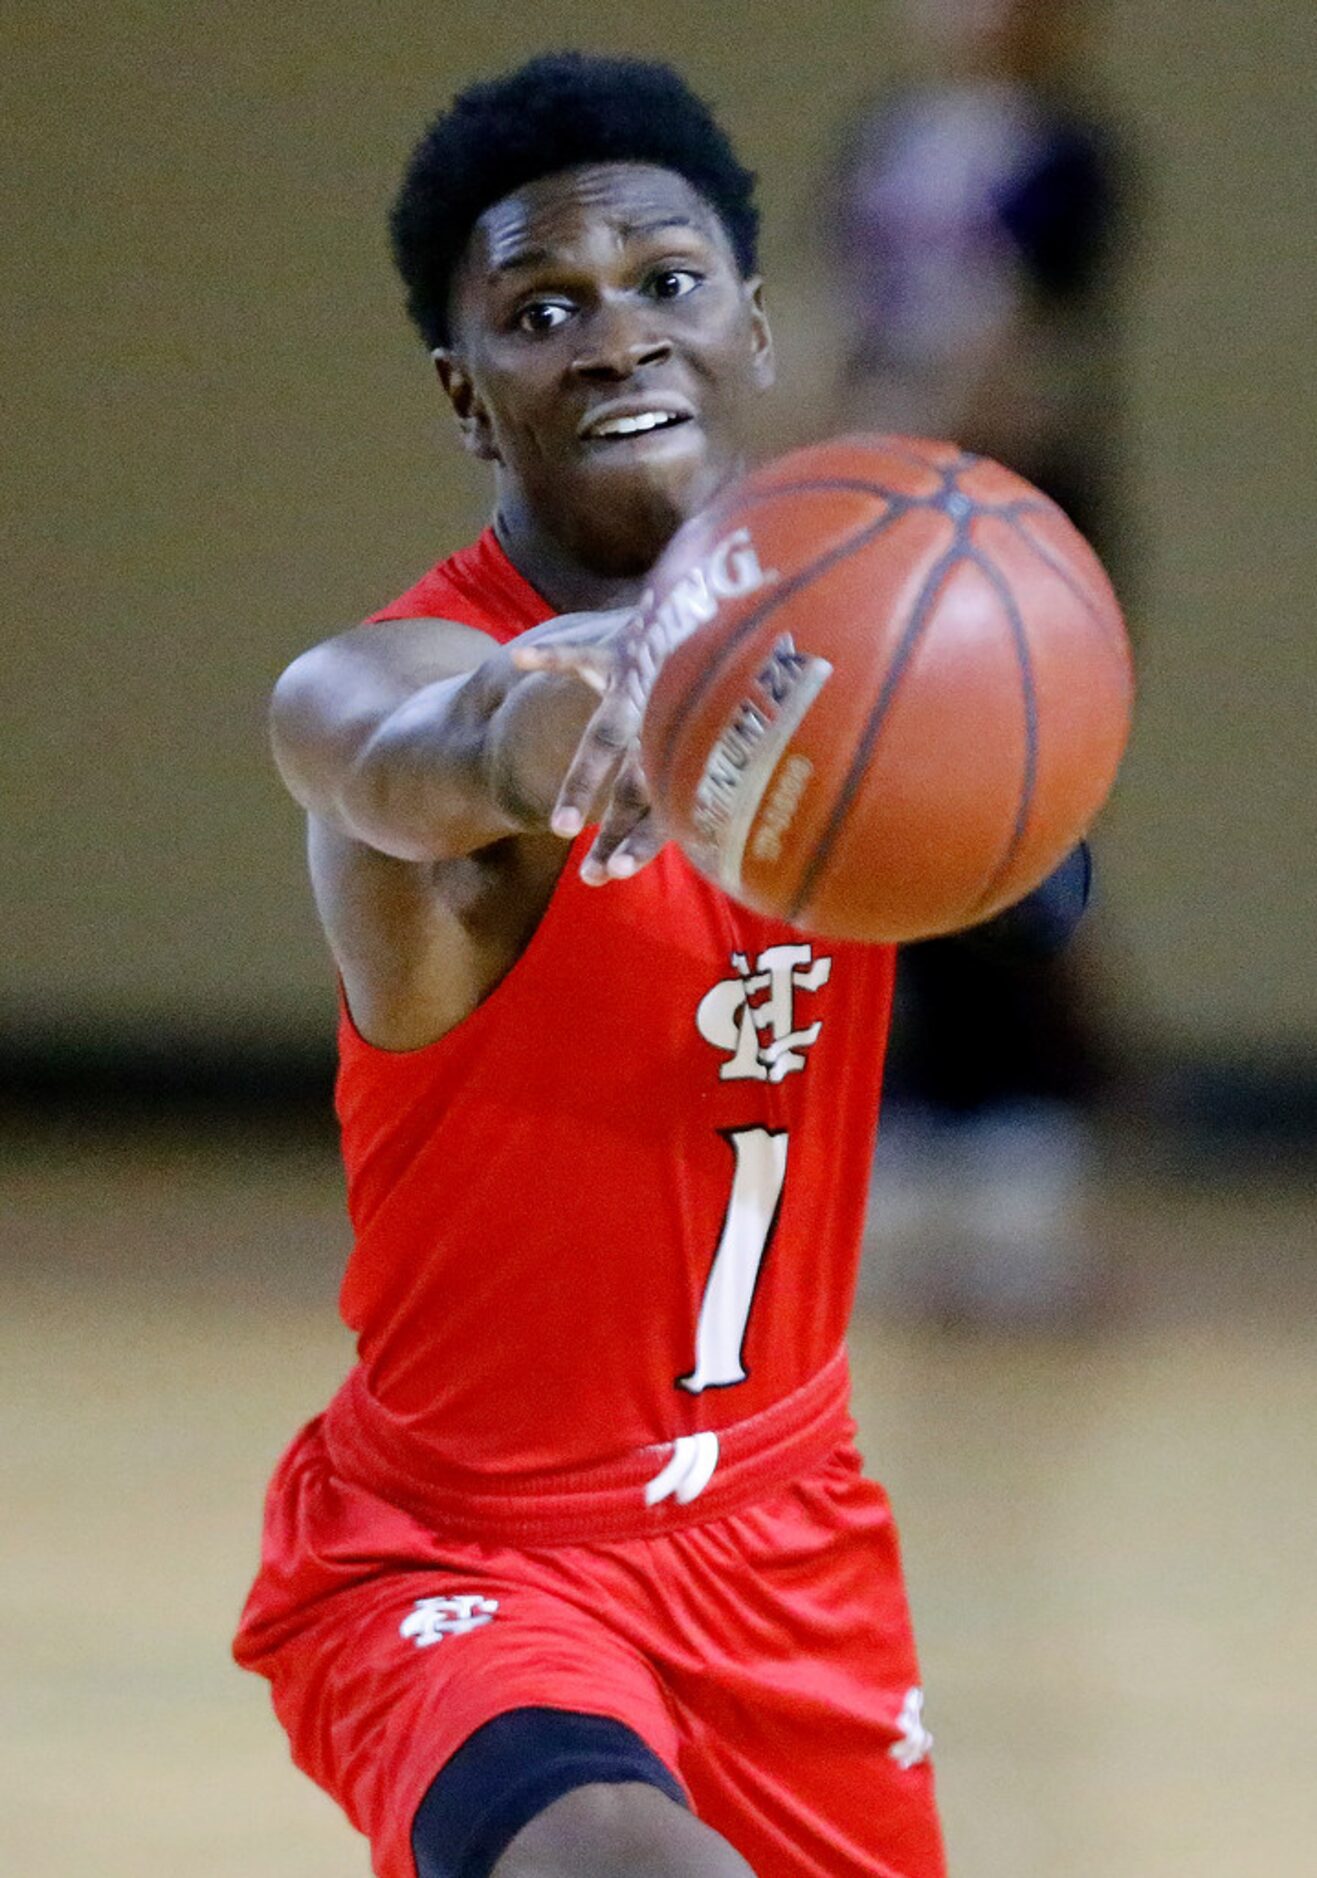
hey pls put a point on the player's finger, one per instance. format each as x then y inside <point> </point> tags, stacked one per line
<point>593,665</point>
<point>609,735</point>
<point>580,629</point>
<point>627,808</point>
<point>638,849</point>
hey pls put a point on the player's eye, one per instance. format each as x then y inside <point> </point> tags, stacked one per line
<point>674,283</point>
<point>542,316</point>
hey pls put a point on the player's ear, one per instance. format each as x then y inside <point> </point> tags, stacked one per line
<point>761,335</point>
<point>472,418</point>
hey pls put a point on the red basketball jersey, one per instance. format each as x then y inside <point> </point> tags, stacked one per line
<point>622,1201</point>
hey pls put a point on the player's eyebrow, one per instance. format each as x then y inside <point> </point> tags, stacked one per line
<point>631,229</point>
<point>525,258</point>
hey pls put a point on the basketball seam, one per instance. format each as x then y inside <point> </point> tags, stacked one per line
<point>896,669</point>
<point>1067,580</point>
<point>902,450</point>
<point>1028,687</point>
<point>739,497</point>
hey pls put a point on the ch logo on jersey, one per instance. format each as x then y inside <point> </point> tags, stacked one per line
<point>432,1619</point>
<point>753,1016</point>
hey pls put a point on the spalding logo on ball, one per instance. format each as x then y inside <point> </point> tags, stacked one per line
<point>897,688</point>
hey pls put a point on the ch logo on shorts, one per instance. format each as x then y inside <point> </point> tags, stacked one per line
<point>432,1619</point>
<point>916,1742</point>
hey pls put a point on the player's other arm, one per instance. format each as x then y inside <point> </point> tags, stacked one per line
<point>421,738</point>
<point>1044,920</point>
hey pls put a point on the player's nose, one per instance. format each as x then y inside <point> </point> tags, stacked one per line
<point>617,343</point>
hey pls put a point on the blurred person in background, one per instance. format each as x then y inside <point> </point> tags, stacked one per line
<point>980,228</point>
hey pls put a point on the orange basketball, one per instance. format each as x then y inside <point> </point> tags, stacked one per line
<point>899,693</point>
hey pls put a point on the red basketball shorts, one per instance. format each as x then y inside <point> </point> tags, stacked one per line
<point>765,1655</point>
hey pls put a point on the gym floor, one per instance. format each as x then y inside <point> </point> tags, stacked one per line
<point>1109,1537</point>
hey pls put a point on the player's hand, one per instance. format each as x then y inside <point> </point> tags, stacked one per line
<point>616,655</point>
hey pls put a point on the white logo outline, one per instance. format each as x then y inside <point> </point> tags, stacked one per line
<point>916,1743</point>
<point>432,1620</point>
<point>762,1039</point>
<point>688,1472</point>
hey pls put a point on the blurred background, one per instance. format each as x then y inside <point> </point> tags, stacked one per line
<point>1070,234</point>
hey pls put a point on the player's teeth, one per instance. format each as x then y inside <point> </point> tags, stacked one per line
<point>629,426</point>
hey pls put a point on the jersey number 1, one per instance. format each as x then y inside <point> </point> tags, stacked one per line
<point>752,1209</point>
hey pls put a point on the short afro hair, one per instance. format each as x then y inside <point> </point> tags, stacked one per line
<point>553,113</point>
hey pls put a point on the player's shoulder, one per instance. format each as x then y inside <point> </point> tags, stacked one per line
<point>445,624</point>
<point>477,587</point>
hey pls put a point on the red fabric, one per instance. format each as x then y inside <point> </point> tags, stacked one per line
<point>608,1501</point>
<point>538,1196</point>
<point>765,1657</point>
<point>477,586</point>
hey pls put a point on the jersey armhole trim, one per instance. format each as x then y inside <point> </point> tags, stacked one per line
<point>563,890</point>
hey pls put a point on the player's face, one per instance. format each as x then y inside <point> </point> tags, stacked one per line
<point>606,349</point>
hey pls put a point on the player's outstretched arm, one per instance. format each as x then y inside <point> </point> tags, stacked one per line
<point>422,739</point>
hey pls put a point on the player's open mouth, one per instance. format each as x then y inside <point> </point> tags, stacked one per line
<point>617,423</point>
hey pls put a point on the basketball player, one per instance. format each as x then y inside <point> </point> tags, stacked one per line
<point>578,1575</point>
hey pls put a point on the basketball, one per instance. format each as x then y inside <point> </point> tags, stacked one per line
<point>898,692</point>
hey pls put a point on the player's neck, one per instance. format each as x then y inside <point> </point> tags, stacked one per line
<point>561,577</point>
